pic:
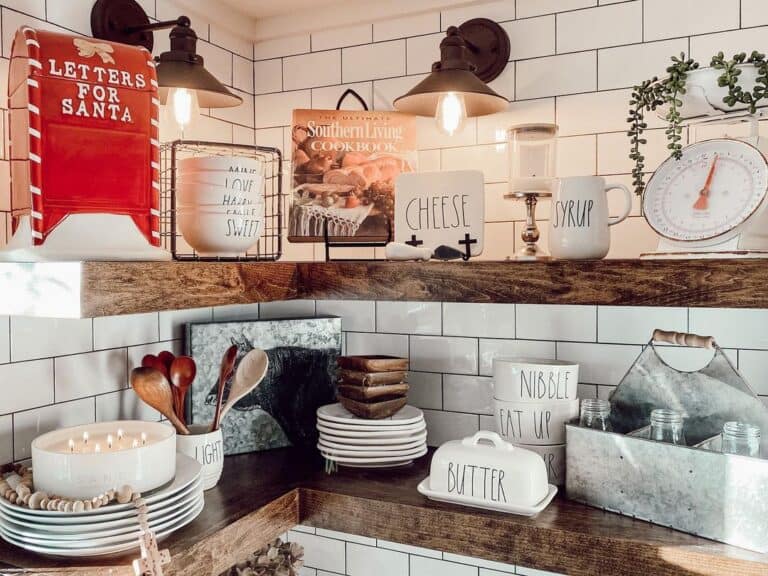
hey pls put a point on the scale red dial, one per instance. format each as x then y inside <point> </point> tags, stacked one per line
<point>716,186</point>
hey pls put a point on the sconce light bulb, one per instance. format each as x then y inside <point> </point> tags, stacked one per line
<point>451,113</point>
<point>182,107</point>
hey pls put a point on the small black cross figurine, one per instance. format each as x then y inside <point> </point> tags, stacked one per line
<point>414,242</point>
<point>467,242</point>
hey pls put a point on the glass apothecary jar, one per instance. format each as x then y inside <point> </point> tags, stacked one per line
<point>667,426</point>
<point>595,413</point>
<point>740,438</point>
<point>532,157</point>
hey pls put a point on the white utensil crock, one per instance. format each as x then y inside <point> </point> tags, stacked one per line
<point>205,447</point>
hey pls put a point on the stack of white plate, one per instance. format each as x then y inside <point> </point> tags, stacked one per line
<point>353,441</point>
<point>113,529</point>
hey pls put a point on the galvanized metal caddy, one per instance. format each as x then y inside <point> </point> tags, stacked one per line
<point>692,488</point>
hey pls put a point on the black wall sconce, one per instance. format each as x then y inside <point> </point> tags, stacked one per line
<point>184,84</point>
<point>471,55</point>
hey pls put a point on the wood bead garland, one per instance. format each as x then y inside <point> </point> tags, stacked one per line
<point>17,487</point>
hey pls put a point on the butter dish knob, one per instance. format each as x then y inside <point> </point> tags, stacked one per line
<point>492,437</point>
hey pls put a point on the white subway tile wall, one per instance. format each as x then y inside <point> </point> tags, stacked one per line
<point>572,62</point>
<point>353,555</point>
<point>451,347</point>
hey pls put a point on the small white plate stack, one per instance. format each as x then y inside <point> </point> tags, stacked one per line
<point>109,530</point>
<point>356,442</point>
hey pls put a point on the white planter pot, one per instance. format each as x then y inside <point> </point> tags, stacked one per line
<point>704,97</point>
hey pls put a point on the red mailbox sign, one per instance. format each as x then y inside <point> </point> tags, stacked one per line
<point>84,132</point>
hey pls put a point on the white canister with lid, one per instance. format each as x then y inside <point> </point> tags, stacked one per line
<point>486,468</point>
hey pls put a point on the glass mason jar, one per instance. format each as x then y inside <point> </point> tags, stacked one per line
<point>667,426</point>
<point>740,438</point>
<point>595,414</point>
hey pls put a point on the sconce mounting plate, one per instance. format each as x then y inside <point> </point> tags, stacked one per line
<point>112,20</point>
<point>488,45</point>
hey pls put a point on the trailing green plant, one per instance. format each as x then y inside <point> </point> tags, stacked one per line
<point>650,94</point>
<point>730,78</point>
<point>647,97</point>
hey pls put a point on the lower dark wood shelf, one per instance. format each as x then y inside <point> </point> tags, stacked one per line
<point>262,495</point>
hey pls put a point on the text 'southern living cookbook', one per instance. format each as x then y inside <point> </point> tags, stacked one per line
<point>344,168</point>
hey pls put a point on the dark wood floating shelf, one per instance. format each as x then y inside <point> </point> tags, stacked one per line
<point>90,289</point>
<point>262,495</point>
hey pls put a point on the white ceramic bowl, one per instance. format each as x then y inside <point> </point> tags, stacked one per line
<point>534,380</point>
<point>534,422</point>
<point>78,471</point>
<point>204,195</point>
<point>207,448</point>
<point>554,460</point>
<point>199,188</point>
<point>249,183</point>
<point>220,232</point>
<point>231,164</point>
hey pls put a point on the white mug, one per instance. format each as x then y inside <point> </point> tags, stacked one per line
<point>579,221</point>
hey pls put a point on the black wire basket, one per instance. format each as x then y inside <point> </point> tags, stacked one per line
<point>270,244</point>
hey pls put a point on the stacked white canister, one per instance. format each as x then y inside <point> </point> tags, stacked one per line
<point>533,399</point>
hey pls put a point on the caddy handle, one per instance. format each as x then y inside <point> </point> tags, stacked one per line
<point>683,339</point>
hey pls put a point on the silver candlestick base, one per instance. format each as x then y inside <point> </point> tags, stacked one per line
<point>530,235</point>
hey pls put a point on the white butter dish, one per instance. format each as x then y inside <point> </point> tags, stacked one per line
<point>487,472</point>
<point>424,489</point>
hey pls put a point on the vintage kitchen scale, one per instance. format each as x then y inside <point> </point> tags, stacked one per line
<point>712,202</point>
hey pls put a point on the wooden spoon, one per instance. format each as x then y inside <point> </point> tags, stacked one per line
<point>166,358</point>
<point>250,373</point>
<point>227,364</point>
<point>152,361</point>
<point>155,390</point>
<point>183,371</point>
